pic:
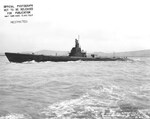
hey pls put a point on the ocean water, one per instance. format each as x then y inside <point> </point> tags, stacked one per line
<point>75,90</point>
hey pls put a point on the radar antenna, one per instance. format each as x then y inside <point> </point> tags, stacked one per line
<point>78,37</point>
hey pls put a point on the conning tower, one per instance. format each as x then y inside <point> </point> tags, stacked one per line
<point>76,51</point>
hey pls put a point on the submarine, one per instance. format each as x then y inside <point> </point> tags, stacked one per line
<point>75,54</point>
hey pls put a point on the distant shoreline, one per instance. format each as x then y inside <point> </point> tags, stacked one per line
<point>139,53</point>
<point>106,56</point>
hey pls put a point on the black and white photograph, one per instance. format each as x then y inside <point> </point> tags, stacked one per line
<point>74,59</point>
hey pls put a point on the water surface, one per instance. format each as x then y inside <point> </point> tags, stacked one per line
<point>75,90</point>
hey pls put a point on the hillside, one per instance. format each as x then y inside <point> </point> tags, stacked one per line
<point>2,54</point>
<point>52,52</point>
<point>140,53</point>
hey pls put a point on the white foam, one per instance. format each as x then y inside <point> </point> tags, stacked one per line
<point>29,62</point>
<point>15,116</point>
<point>91,105</point>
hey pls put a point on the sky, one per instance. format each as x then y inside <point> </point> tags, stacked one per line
<point>103,26</point>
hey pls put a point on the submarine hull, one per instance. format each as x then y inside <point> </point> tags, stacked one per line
<point>19,58</point>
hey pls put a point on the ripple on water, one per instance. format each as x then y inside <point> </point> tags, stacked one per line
<point>99,103</point>
<point>16,116</point>
<point>72,90</point>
